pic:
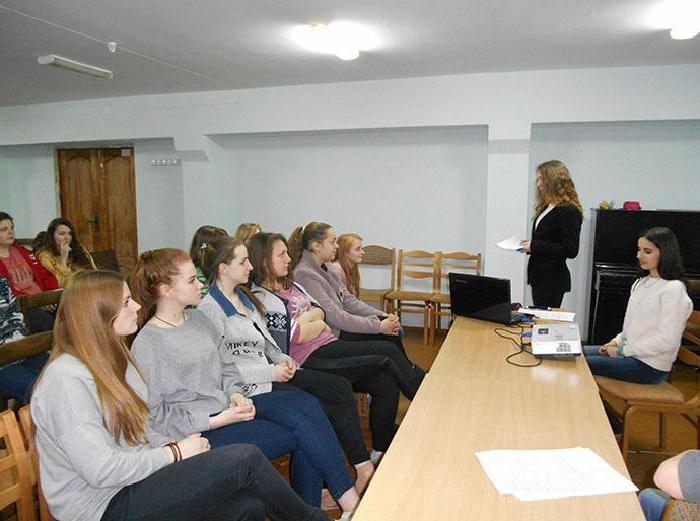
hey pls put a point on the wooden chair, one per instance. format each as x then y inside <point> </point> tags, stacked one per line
<point>25,420</point>
<point>106,260</point>
<point>376,255</point>
<point>413,266</point>
<point>680,510</point>
<point>15,460</point>
<point>26,347</point>
<point>627,399</point>
<point>45,299</point>
<point>692,329</point>
<point>458,261</point>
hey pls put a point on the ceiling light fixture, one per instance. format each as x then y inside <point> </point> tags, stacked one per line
<point>343,39</point>
<point>681,16</point>
<point>75,66</point>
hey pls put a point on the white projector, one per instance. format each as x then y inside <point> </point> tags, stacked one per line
<point>556,340</point>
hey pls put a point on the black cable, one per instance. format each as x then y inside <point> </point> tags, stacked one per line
<point>504,333</point>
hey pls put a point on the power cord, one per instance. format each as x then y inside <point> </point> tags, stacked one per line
<point>507,334</point>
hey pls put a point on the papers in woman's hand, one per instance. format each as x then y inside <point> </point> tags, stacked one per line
<point>511,243</point>
<point>533,475</point>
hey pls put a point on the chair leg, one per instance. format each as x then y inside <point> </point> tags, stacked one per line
<point>426,322</point>
<point>662,432</point>
<point>625,445</point>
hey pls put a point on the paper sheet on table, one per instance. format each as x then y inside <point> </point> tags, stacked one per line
<point>511,243</point>
<point>565,316</point>
<point>533,475</point>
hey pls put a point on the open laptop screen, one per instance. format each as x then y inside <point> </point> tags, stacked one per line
<point>470,294</point>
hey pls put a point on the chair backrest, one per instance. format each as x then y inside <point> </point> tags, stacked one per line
<point>106,259</point>
<point>26,242</point>
<point>15,460</point>
<point>416,265</point>
<point>27,425</point>
<point>456,261</point>
<point>40,300</point>
<point>26,347</point>
<point>376,255</point>
<point>692,328</point>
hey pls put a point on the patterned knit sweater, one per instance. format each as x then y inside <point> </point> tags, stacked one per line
<point>11,324</point>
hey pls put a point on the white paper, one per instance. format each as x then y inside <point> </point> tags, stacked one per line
<point>511,243</point>
<point>564,316</point>
<point>535,475</point>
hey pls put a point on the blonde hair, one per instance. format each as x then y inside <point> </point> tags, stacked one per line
<point>246,230</point>
<point>352,272</point>
<point>90,302</point>
<point>557,187</point>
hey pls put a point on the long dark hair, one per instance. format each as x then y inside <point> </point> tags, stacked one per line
<point>44,241</point>
<point>302,237</point>
<point>260,254</point>
<point>670,259</point>
<point>202,240</point>
<point>222,251</point>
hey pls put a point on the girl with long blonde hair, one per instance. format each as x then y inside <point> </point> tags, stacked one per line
<point>555,234</point>
<point>91,415</point>
<point>347,258</point>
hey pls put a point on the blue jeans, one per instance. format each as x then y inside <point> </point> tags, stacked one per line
<point>289,420</point>
<point>627,368</point>
<point>17,378</point>
<point>653,503</point>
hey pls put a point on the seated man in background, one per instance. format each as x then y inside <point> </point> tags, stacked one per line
<point>16,378</point>
<point>677,477</point>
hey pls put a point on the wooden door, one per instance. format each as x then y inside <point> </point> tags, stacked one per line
<point>98,195</point>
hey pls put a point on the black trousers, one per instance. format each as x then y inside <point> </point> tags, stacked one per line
<point>232,483</point>
<point>335,394</point>
<point>375,367</point>
<point>547,297</point>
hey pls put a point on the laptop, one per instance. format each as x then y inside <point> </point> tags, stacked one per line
<point>556,340</point>
<point>485,298</point>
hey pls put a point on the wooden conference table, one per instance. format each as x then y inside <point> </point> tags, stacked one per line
<point>472,400</point>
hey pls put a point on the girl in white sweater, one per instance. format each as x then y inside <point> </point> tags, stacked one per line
<point>657,312</point>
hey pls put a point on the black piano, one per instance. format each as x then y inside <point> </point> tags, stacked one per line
<point>614,237</point>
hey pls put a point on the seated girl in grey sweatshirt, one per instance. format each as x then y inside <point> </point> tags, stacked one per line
<point>91,417</point>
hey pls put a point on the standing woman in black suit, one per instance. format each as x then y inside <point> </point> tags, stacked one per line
<point>555,234</point>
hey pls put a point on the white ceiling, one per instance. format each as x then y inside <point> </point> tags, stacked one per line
<point>194,45</point>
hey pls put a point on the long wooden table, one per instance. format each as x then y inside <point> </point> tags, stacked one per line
<point>472,400</point>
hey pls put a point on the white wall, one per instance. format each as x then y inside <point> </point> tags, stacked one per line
<point>508,103</point>
<point>656,163</point>
<point>30,196</point>
<point>406,188</point>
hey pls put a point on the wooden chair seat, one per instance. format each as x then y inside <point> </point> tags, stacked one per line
<point>660,393</point>
<point>681,510</point>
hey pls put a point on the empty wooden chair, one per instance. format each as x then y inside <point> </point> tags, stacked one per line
<point>25,420</point>
<point>16,461</point>
<point>456,261</point>
<point>415,268</point>
<point>376,255</point>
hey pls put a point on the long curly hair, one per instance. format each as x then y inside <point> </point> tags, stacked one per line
<point>557,187</point>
